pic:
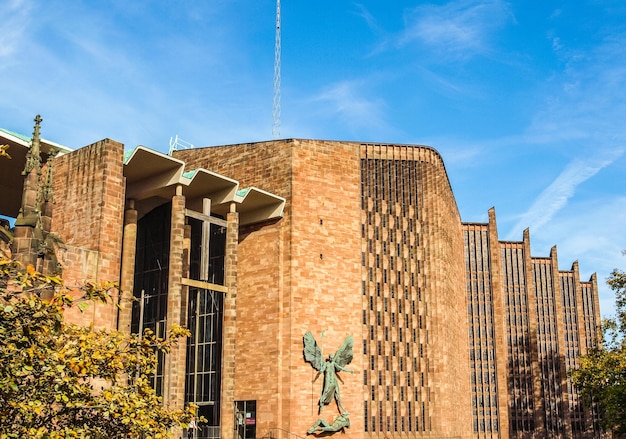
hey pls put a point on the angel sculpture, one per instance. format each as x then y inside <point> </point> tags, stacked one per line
<point>329,367</point>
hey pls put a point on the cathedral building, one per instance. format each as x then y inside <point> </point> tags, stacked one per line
<point>417,324</point>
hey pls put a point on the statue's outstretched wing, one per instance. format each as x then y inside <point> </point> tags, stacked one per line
<point>312,352</point>
<point>345,353</point>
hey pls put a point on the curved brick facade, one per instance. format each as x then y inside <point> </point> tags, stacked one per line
<point>456,334</point>
<point>370,245</point>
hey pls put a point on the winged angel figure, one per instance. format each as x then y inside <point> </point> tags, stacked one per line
<point>330,367</point>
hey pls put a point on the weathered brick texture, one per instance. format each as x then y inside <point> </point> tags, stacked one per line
<point>88,216</point>
<point>304,272</point>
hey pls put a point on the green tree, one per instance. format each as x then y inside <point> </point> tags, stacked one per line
<point>601,376</point>
<point>59,380</point>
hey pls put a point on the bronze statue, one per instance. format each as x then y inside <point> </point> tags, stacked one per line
<point>329,367</point>
<point>339,423</point>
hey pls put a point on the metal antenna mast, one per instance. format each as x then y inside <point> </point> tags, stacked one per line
<point>276,108</point>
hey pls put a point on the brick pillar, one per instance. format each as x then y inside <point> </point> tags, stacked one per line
<point>229,329</point>
<point>25,245</point>
<point>596,307</point>
<point>582,345</point>
<point>127,272</point>
<point>560,329</point>
<point>500,330</point>
<point>28,235</point>
<point>580,312</point>
<point>538,403</point>
<point>50,263</point>
<point>184,302</point>
<point>174,373</point>
<point>28,232</point>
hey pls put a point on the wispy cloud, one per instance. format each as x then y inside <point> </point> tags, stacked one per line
<point>447,86</point>
<point>556,195</point>
<point>16,17</point>
<point>583,112</point>
<point>587,101</point>
<point>458,29</point>
<point>348,101</point>
<point>591,232</point>
<point>369,19</point>
<point>458,153</point>
<point>82,66</point>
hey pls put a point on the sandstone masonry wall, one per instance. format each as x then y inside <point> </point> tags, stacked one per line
<point>89,187</point>
<point>304,272</point>
<point>299,273</point>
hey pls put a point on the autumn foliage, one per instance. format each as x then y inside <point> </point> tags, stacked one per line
<point>601,376</point>
<point>4,151</point>
<point>59,380</point>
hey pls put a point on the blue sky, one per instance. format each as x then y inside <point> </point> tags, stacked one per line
<point>526,101</point>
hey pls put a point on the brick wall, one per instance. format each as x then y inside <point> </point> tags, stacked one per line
<point>303,272</point>
<point>414,308</point>
<point>88,216</point>
<point>263,284</point>
<point>296,274</point>
<point>444,274</point>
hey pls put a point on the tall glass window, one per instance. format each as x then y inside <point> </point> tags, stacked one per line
<point>151,277</point>
<point>204,357</point>
<point>204,317</point>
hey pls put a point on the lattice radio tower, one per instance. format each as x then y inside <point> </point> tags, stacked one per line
<point>276,107</point>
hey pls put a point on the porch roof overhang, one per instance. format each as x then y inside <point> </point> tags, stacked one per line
<point>152,178</point>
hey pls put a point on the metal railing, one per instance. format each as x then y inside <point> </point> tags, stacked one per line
<point>282,433</point>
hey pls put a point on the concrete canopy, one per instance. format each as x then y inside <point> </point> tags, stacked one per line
<point>152,177</point>
<point>151,180</point>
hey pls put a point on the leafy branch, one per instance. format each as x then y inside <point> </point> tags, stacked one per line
<point>59,380</point>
